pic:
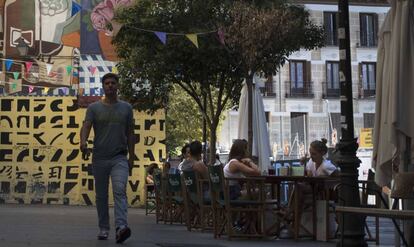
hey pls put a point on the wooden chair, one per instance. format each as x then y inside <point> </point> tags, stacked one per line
<point>160,196</point>
<point>175,200</point>
<point>149,193</point>
<point>370,188</point>
<point>197,207</point>
<point>224,209</point>
<point>403,189</point>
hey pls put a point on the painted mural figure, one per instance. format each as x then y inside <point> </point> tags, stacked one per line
<point>113,124</point>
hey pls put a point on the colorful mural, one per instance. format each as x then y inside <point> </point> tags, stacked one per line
<point>69,44</point>
<point>40,160</point>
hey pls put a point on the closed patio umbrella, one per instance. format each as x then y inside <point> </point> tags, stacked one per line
<point>394,113</point>
<point>261,144</point>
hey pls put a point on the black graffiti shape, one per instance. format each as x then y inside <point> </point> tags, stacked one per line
<point>5,187</point>
<point>160,155</point>
<point>7,119</point>
<point>149,155</point>
<point>57,155</point>
<point>6,104</point>
<point>54,106</point>
<point>5,138</point>
<point>86,199</point>
<point>52,187</point>
<point>90,184</point>
<point>50,200</point>
<point>87,168</point>
<point>73,155</point>
<point>72,123</point>
<point>23,103</point>
<point>134,186</point>
<point>38,120</point>
<point>22,154</point>
<point>162,123</point>
<point>37,137</point>
<point>55,119</point>
<point>149,140</point>
<point>74,105</point>
<point>3,153</point>
<point>135,199</point>
<point>137,138</point>
<point>162,141</point>
<point>55,172</point>
<point>19,121</point>
<point>137,127</point>
<point>149,123</point>
<point>23,143</point>
<point>55,138</point>
<point>68,186</point>
<point>41,106</point>
<point>71,138</point>
<point>37,158</point>
<point>70,175</point>
<point>20,187</point>
<point>19,175</point>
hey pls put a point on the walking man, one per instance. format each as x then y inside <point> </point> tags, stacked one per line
<point>113,125</point>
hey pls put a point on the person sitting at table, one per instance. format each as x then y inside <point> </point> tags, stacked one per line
<point>317,164</point>
<point>194,161</point>
<point>150,173</point>
<point>185,155</point>
<point>239,166</point>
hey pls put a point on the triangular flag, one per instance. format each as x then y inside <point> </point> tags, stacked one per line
<point>193,39</point>
<point>115,70</point>
<point>46,89</point>
<point>115,28</point>
<point>48,68</point>
<point>8,64</point>
<point>81,91</point>
<point>16,75</point>
<point>75,8</point>
<point>162,36</point>
<point>28,66</point>
<point>220,34</point>
<point>14,85</point>
<point>31,89</point>
<point>69,69</point>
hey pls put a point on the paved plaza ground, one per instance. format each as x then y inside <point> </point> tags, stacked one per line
<point>50,226</point>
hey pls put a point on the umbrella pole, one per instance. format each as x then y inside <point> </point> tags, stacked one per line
<point>249,81</point>
<point>351,228</point>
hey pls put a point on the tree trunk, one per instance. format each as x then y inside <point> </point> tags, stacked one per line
<point>213,140</point>
<point>249,81</point>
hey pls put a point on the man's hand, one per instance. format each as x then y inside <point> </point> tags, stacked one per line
<point>85,151</point>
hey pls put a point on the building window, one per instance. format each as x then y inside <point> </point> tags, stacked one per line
<point>369,119</point>
<point>332,79</point>
<point>299,84</point>
<point>298,130</point>
<point>367,73</point>
<point>368,29</point>
<point>331,26</point>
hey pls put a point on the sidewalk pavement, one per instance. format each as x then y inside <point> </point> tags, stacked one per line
<point>56,226</point>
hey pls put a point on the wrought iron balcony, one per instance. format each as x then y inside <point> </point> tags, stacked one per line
<point>298,89</point>
<point>267,90</point>
<point>329,92</point>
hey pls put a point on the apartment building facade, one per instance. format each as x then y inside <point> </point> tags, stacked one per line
<point>302,100</point>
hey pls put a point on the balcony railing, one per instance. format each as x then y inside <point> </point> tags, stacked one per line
<point>329,92</point>
<point>365,42</point>
<point>299,89</point>
<point>366,93</point>
<point>267,90</point>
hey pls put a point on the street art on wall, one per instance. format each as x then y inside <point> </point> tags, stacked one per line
<point>40,161</point>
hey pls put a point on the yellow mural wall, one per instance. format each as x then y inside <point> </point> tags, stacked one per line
<point>40,161</point>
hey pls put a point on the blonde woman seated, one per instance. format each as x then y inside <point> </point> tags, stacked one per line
<point>239,166</point>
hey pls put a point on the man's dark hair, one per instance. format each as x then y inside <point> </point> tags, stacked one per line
<point>196,148</point>
<point>110,75</point>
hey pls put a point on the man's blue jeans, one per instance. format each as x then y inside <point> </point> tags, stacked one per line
<point>118,170</point>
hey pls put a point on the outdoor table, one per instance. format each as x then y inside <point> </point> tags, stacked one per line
<point>276,181</point>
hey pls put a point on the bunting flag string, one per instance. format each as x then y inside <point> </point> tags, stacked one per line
<point>75,8</point>
<point>193,39</point>
<point>8,64</point>
<point>16,75</point>
<point>28,66</point>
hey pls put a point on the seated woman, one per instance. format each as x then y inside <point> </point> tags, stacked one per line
<point>194,161</point>
<point>317,164</point>
<point>239,166</point>
<point>150,173</point>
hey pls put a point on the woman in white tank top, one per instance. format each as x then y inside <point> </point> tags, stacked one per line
<point>239,166</point>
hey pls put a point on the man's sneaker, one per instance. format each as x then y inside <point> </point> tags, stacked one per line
<point>122,234</point>
<point>103,235</point>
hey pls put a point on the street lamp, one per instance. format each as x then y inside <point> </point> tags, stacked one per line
<point>351,228</point>
<point>22,47</point>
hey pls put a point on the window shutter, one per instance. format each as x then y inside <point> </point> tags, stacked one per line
<point>360,87</point>
<point>375,16</point>
<point>326,25</point>
<point>363,29</point>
